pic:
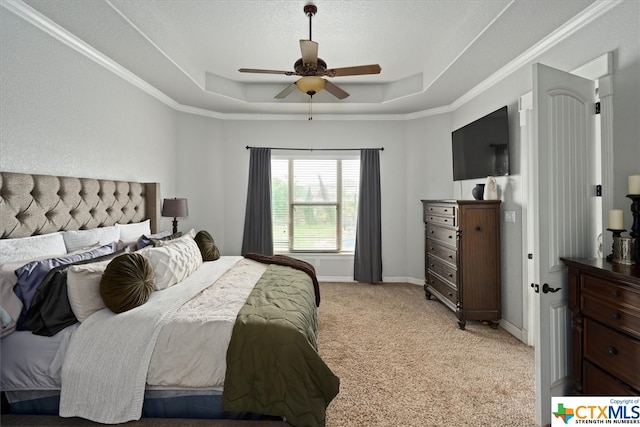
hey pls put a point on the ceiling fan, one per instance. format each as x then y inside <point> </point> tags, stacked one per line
<point>312,69</point>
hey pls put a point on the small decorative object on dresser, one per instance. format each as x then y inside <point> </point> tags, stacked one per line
<point>604,299</point>
<point>491,189</point>
<point>478,192</point>
<point>462,257</point>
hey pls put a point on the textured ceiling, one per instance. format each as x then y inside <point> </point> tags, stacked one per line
<point>432,52</point>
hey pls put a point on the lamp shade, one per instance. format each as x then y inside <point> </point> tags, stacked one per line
<point>175,208</point>
<point>310,84</point>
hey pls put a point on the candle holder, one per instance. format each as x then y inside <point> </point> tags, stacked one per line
<point>635,228</point>
<point>616,233</point>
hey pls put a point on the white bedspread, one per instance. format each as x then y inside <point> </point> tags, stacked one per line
<point>191,350</point>
<point>105,368</point>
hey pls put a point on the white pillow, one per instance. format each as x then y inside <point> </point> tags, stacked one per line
<point>83,288</point>
<point>173,262</point>
<point>78,239</point>
<point>46,245</point>
<point>130,233</point>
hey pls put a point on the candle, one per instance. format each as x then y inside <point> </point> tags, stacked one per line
<point>616,219</point>
<point>634,184</point>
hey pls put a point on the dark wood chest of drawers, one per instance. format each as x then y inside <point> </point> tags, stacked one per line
<point>604,299</point>
<point>462,257</point>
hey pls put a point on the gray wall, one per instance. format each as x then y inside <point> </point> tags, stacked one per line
<point>60,113</point>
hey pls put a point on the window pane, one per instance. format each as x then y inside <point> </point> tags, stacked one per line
<point>280,204</point>
<point>314,228</point>
<point>314,204</point>
<point>314,180</point>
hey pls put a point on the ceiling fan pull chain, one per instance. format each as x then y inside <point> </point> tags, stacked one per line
<point>310,112</point>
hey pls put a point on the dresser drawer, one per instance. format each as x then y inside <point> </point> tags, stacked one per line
<point>445,253</point>
<point>446,290</point>
<point>615,315</point>
<point>444,235</point>
<point>612,351</point>
<point>444,220</point>
<point>615,294</point>
<point>599,383</point>
<point>447,272</point>
<point>439,210</point>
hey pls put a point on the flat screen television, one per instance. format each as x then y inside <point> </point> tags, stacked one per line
<point>481,148</point>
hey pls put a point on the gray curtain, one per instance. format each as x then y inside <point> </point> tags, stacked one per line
<point>367,265</point>
<point>258,231</point>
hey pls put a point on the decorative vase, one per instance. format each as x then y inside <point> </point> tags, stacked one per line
<point>478,191</point>
<point>491,189</point>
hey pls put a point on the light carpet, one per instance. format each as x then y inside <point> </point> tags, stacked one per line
<point>403,361</point>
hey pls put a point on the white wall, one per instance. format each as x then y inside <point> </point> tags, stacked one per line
<point>61,114</point>
<point>201,174</point>
<point>429,174</point>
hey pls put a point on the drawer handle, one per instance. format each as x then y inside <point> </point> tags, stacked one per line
<point>450,236</point>
<point>615,316</point>
<point>450,275</point>
<point>615,294</point>
<point>450,294</point>
<point>478,228</point>
<point>611,351</point>
<point>433,265</point>
<point>451,256</point>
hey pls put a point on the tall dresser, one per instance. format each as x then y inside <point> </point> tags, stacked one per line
<point>604,299</point>
<point>462,257</point>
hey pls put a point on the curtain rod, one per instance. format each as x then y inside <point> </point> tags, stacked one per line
<point>319,149</point>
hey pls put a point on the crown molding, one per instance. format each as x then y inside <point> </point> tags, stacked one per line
<point>30,15</point>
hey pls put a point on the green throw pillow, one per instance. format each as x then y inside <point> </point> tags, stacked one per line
<point>207,246</point>
<point>127,282</point>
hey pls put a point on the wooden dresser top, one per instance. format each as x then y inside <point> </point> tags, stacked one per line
<point>627,273</point>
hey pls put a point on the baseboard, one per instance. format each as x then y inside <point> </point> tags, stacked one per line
<point>517,332</point>
<point>335,279</point>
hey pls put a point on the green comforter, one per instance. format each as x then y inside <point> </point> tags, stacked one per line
<point>273,366</point>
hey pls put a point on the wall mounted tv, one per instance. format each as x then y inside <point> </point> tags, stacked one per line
<point>481,148</point>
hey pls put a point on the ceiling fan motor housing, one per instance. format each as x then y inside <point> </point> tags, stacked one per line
<point>303,69</point>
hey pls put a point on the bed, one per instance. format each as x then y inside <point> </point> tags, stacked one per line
<point>107,317</point>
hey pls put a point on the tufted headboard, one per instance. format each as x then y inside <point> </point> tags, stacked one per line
<point>42,204</point>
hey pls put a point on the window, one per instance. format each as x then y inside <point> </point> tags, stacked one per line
<point>314,204</point>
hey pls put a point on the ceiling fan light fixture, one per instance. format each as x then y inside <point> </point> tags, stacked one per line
<point>310,84</point>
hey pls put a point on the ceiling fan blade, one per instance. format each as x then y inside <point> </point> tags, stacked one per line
<point>309,50</point>
<point>287,91</point>
<point>335,90</point>
<point>255,70</point>
<point>353,71</point>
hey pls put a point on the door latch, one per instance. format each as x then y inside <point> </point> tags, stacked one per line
<point>546,289</point>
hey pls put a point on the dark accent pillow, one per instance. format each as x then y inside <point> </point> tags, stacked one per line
<point>207,246</point>
<point>149,240</point>
<point>127,282</point>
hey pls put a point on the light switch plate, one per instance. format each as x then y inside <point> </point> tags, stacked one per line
<point>509,216</point>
